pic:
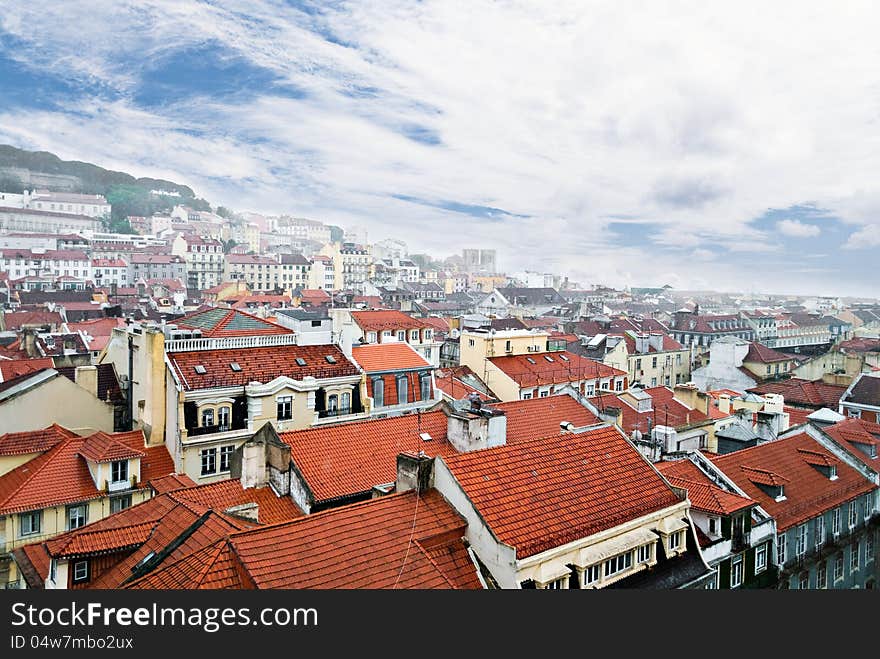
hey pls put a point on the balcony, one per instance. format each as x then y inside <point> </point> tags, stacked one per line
<point>119,486</point>
<point>740,541</point>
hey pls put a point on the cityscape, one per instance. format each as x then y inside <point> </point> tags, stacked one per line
<point>409,297</point>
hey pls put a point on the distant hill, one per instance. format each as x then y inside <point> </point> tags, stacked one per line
<point>20,169</point>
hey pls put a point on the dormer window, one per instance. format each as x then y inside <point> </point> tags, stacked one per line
<point>119,471</point>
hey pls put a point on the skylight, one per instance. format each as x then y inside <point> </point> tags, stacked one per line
<point>300,361</point>
<point>330,359</point>
<point>563,358</point>
<point>200,369</point>
<point>548,358</point>
<point>530,360</point>
<point>235,366</point>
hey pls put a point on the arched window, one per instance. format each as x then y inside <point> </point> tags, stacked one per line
<point>378,392</point>
<point>345,406</point>
<point>207,417</point>
<point>223,415</point>
<point>332,403</point>
<point>402,390</point>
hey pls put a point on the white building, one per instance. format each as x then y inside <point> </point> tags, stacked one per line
<point>90,205</point>
<point>20,263</point>
<point>110,271</point>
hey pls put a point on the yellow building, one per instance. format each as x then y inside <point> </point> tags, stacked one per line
<point>71,481</point>
<point>652,360</point>
<point>487,283</point>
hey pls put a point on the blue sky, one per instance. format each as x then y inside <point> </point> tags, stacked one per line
<point>672,143</point>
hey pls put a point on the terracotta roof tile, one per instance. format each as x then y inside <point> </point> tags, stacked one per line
<point>545,493</point>
<point>380,357</point>
<point>13,368</point>
<point>460,381</point>
<point>398,541</point>
<point>551,368</point>
<point>101,447</point>
<point>170,483</point>
<point>33,441</point>
<point>702,492</point>
<point>806,393</point>
<point>807,491</point>
<point>225,494</point>
<point>665,410</point>
<point>350,458</point>
<point>217,322</point>
<point>258,364</point>
<point>859,436</point>
<point>375,321</point>
<point>761,353</point>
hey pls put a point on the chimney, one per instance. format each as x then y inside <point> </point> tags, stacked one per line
<point>472,430</point>
<point>664,437</point>
<point>724,403</point>
<point>414,472</point>
<point>87,378</point>
<point>655,340</point>
<point>642,343</point>
<point>612,414</point>
<point>566,426</point>
<point>249,511</point>
<point>29,339</point>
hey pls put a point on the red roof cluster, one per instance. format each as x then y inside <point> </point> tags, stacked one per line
<point>858,436</point>
<point>216,322</point>
<point>13,368</point>
<point>399,541</point>
<point>16,319</point>
<point>545,493</point>
<point>61,475</point>
<point>790,463</point>
<point>33,441</point>
<point>552,368</point>
<point>666,410</point>
<point>102,447</point>
<point>804,393</point>
<point>258,364</point>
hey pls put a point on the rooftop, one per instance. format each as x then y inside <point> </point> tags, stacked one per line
<point>552,368</point>
<point>381,357</point>
<point>217,322</point>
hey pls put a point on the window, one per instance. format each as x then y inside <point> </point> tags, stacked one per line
<point>854,556</point>
<point>345,403</point>
<point>820,530</point>
<point>653,382</point>
<point>838,566</point>
<point>853,513</point>
<point>223,414</point>
<point>76,516</point>
<point>284,408</point>
<point>402,390</point>
<point>639,364</point>
<point>822,575</point>
<point>675,540</point>
<point>712,584</point>
<point>761,558</point>
<point>425,386</point>
<point>207,418</point>
<point>378,392</point>
<point>653,362</point>
<point>371,337</point>
<point>713,525</point>
<point>835,522</point>
<point>801,547</point>
<point>590,575</point>
<point>554,585</point>
<point>226,457</point>
<point>428,334</point>
<point>736,571</point>
<point>780,549</point>
<point>414,337</point>
<point>804,580</point>
<point>618,564</point>
<point>120,503</point>
<point>401,335</point>
<point>332,403</point>
<point>53,569</point>
<point>869,547</point>
<point>30,523</point>
<point>80,571</point>
<point>591,389</point>
<point>526,395</point>
<point>119,471</point>
<point>386,334</point>
<point>644,553</point>
<point>545,393</point>
<point>209,461</point>
<point>471,343</point>
<point>869,503</point>
<point>618,386</point>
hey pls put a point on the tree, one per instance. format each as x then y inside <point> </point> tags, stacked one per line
<point>228,244</point>
<point>11,183</point>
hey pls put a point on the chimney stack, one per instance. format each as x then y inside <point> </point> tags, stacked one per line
<point>471,430</point>
<point>87,378</point>
<point>414,472</point>
<point>724,403</point>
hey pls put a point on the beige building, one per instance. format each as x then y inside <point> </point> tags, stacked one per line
<point>352,264</point>
<point>261,273</point>
<point>653,360</point>
<point>46,397</point>
<point>71,481</point>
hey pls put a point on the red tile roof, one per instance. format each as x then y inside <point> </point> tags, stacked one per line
<point>796,416</point>
<point>545,493</point>
<point>702,492</point>
<point>258,364</point>
<point>376,321</point>
<point>13,368</point>
<point>33,441</point>
<point>454,383</point>
<point>551,368</point>
<point>761,353</point>
<point>399,541</point>
<point>101,447</point>
<point>668,344</point>
<point>378,357</point>
<point>665,410</point>
<point>350,458</point>
<point>218,322</point>
<point>222,495</point>
<point>806,393</point>
<point>61,475</point>
<point>856,435</point>
<point>16,319</point>
<point>807,491</point>
<point>170,483</point>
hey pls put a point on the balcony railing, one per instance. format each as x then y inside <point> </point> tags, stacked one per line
<point>740,540</point>
<point>343,411</point>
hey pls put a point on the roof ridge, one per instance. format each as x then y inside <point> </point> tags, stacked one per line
<point>39,462</point>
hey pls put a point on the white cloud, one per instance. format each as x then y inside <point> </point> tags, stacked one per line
<point>797,229</point>
<point>567,113</point>
<point>868,236</point>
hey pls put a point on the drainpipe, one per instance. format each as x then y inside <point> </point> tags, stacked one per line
<point>130,382</point>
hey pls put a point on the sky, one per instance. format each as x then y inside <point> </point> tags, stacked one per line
<point>733,146</point>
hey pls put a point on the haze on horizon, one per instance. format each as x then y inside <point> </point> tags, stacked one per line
<point>728,148</point>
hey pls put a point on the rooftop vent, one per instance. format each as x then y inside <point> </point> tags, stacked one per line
<point>548,358</point>
<point>425,437</point>
<point>563,358</point>
<point>200,369</point>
